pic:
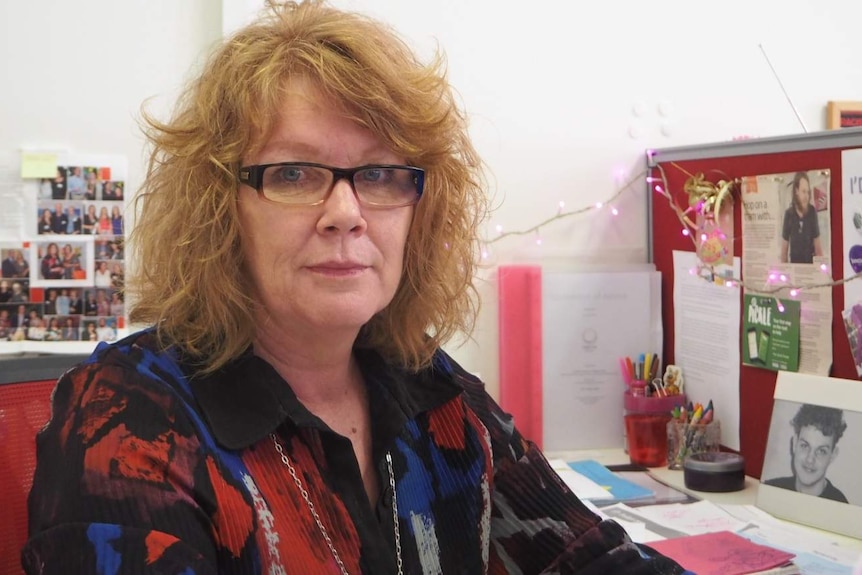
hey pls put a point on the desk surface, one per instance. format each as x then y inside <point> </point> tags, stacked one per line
<point>674,478</point>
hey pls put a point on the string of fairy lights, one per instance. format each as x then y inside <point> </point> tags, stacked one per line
<point>561,214</point>
<point>703,196</point>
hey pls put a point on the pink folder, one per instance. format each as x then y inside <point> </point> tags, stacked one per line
<point>520,328</point>
<point>721,553</point>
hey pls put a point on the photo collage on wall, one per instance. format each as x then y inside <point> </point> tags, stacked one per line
<point>66,282</point>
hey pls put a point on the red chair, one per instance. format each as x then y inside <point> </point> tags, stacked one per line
<point>26,384</point>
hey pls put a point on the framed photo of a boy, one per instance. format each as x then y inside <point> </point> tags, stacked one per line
<point>810,470</point>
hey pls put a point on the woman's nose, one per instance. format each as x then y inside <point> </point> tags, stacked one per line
<point>342,210</point>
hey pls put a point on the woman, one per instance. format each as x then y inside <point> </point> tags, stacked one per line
<point>71,263</point>
<point>103,224</point>
<point>94,185</point>
<point>102,275</point>
<point>117,276</point>
<point>118,308</point>
<point>292,411</point>
<point>89,332</point>
<point>800,233</point>
<point>15,266</point>
<point>103,304</point>
<point>35,326</point>
<point>53,333</point>
<point>116,221</point>
<point>115,248</point>
<point>91,220</point>
<point>52,264</point>
<point>46,223</point>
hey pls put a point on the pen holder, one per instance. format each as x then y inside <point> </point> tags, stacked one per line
<point>684,439</point>
<point>646,420</point>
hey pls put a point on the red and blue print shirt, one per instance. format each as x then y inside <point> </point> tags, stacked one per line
<point>147,468</point>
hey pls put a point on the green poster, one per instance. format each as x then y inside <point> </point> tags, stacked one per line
<point>770,333</point>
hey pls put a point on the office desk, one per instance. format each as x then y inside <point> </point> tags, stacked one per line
<point>676,479</point>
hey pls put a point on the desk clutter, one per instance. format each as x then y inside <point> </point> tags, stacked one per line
<point>704,537</point>
<point>662,427</point>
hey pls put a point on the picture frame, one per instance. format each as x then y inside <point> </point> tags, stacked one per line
<point>802,455</point>
<point>843,114</point>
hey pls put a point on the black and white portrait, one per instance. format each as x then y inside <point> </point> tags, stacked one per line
<point>807,450</point>
<point>811,465</point>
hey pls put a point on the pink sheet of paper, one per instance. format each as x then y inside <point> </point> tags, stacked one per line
<point>721,553</point>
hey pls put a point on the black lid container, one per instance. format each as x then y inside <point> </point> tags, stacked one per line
<point>715,472</point>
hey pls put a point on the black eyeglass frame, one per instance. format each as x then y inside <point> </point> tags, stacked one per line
<point>253,176</point>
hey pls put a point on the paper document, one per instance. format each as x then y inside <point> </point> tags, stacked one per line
<point>815,553</point>
<point>589,321</point>
<point>583,487</point>
<point>693,518</point>
<point>706,342</point>
<point>656,531</point>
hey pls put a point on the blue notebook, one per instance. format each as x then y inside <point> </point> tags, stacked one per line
<point>621,489</point>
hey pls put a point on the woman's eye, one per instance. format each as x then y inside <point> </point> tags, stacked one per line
<point>290,175</point>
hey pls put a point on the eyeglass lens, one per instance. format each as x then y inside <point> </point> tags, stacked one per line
<point>302,184</point>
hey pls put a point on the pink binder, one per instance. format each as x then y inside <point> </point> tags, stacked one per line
<point>520,328</point>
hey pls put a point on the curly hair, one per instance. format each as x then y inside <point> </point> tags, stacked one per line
<point>829,420</point>
<point>190,280</point>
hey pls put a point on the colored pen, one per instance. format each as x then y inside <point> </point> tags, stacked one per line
<point>627,377</point>
<point>707,414</point>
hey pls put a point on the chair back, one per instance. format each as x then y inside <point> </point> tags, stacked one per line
<point>26,384</point>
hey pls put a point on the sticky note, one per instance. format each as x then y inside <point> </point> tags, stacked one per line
<point>38,165</point>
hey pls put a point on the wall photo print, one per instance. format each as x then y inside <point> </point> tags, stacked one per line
<point>63,271</point>
<point>810,470</point>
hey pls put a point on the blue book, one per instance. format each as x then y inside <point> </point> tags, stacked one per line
<point>621,489</point>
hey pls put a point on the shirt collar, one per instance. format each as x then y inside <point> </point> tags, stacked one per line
<point>247,399</point>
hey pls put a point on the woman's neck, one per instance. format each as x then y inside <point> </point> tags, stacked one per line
<point>318,370</point>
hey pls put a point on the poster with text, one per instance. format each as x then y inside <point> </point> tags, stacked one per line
<point>786,252</point>
<point>851,223</point>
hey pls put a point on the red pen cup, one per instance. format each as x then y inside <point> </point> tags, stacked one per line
<point>646,421</point>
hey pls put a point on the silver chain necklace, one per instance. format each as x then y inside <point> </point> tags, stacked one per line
<point>302,491</point>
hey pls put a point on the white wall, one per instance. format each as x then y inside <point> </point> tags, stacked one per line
<point>75,74</point>
<point>564,99</point>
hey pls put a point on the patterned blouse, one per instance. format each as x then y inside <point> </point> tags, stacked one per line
<point>147,469</point>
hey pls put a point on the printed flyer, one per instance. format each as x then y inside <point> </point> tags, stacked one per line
<point>770,333</point>
<point>786,242</point>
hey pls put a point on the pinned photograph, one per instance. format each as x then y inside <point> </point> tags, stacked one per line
<point>63,260</point>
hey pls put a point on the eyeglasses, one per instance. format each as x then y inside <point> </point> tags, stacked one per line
<point>308,184</point>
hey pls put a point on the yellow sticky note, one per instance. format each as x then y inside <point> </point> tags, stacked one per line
<point>38,165</point>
